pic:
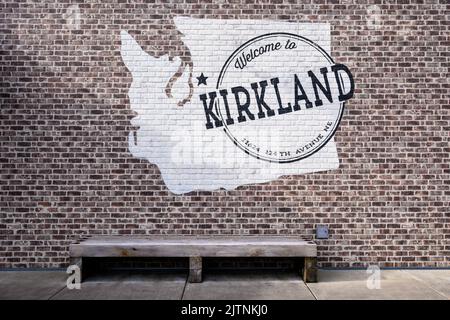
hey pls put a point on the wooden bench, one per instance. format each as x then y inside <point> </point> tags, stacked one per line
<point>195,248</point>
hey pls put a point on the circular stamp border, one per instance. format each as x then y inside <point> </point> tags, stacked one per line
<point>220,79</point>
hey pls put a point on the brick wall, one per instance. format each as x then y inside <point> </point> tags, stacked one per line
<point>66,169</point>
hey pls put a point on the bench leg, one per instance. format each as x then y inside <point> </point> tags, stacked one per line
<point>310,269</point>
<point>195,269</point>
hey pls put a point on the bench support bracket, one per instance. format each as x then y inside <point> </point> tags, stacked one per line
<point>310,269</point>
<point>195,269</point>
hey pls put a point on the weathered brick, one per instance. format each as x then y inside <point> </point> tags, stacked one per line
<point>65,117</point>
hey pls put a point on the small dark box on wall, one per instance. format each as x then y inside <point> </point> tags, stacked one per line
<point>321,232</point>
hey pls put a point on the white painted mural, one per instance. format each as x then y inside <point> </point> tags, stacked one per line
<point>255,109</point>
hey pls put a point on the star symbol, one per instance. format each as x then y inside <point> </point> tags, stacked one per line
<point>201,79</point>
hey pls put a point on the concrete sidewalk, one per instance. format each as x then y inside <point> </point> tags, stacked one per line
<point>333,284</point>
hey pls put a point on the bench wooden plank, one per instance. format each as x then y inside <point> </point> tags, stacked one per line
<point>190,246</point>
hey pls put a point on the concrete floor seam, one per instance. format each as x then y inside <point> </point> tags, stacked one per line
<point>426,284</point>
<point>312,293</point>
